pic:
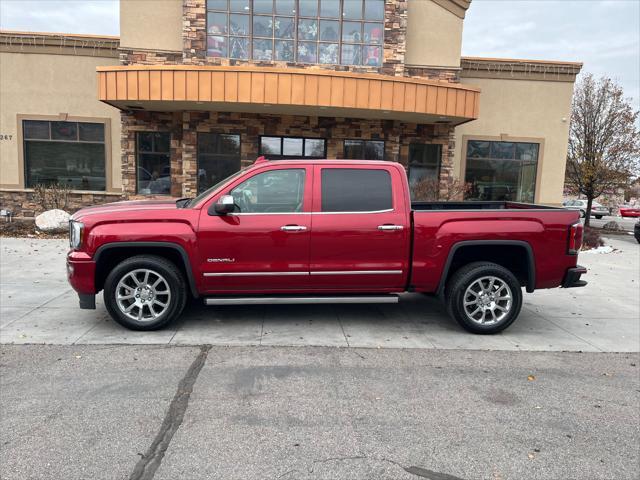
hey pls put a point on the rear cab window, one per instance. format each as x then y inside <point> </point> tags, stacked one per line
<point>355,190</point>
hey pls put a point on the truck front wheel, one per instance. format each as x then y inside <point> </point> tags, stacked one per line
<point>145,292</point>
<point>484,297</point>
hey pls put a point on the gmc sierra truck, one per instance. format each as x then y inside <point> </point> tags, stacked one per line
<point>321,231</point>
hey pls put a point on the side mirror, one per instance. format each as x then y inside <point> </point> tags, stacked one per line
<point>225,205</point>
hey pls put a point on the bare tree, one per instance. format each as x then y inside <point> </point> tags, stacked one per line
<point>429,189</point>
<point>604,142</point>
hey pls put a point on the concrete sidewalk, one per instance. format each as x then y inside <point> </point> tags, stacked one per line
<point>38,306</point>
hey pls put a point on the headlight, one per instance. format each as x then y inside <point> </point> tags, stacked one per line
<point>75,233</point>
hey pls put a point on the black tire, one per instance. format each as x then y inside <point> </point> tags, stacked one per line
<point>465,277</point>
<point>598,217</point>
<point>169,272</point>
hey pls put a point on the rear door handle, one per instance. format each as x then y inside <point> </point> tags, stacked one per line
<point>293,228</point>
<point>390,227</point>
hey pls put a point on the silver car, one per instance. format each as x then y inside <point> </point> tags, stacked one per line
<point>597,210</point>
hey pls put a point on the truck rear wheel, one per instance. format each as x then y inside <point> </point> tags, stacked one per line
<point>484,297</point>
<point>145,292</point>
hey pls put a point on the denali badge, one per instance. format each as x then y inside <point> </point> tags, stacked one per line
<point>221,260</point>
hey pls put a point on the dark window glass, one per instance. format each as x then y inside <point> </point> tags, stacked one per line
<point>262,6</point>
<point>424,162</point>
<point>292,147</point>
<point>284,50</point>
<point>218,157</point>
<point>330,8</point>
<point>239,47</point>
<point>501,170</point>
<point>63,159</point>
<point>262,26</point>
<point>283,27</point>
<point>239,6</point>
<point>314,147</point>
<point>364,150</point>
<point>239,24</point>
<point>352,10</point>
<point>276,191</point>
<point>91,132</point>
<point>271,146</point>
<point>263,49</point>
<point>275,148</point>
<point>374,9</point>
<point>373,33</point>
<point>355,190</point>
<point>286,7</point>
<point>218,4</point>
<point>154,163</point>
<point>307,30</point>
<point>36,129</point>
<point>308,8</point>
<point>64,131</point>
<point>352,32</point>
<point>216,23</point>
<point>307,52</point>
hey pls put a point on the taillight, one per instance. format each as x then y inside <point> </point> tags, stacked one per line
<point>575,238</point>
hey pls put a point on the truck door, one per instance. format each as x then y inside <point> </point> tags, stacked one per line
<point>361,229</point>
<point>264,245</point>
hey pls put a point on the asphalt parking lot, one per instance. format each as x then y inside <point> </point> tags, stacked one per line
<point>38,306</point>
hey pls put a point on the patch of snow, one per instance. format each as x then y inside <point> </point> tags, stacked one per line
<point>605,249</point>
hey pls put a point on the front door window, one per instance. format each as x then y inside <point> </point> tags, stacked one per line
<point>501,170</point>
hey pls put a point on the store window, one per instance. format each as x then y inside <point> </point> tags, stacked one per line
<point>501,170</point>
<point>347,32</point>
<point>218,157</point>
<point>424,162</point>
<point>154,163</point>
<point>66,153</point>
<point>277,148</point>
<point>364,150</point>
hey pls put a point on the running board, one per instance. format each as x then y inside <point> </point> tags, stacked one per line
<point>299,300</point>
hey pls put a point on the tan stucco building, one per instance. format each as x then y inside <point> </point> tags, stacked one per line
<point>201,88</point>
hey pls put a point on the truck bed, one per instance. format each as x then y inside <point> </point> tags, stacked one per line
<point>497,205</point>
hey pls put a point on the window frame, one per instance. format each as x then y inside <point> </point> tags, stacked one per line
<point>296,17</point>
<point>292,157</point>
<point>214,154</point>
<point>22,161</point>
<point>505,138</point>
<point>138,152</point>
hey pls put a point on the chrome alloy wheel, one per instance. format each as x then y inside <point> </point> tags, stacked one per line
<point>143,295</point>
<point>487,300</point>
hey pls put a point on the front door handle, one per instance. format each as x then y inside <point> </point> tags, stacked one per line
<point>388,227</point>
<point>293,228</point>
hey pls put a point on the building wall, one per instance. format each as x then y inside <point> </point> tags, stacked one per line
<point>184,127</point>
<point>524,109</point>
<point>434,36</point>
<point>150,25</point>
<point>50,85</point>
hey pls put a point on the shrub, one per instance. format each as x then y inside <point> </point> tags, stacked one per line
<point>430,189</point>
<point>591,239</point>
<point>52,196</point>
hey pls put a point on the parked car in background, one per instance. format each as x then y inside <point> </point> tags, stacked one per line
<point>324,231</point>
<point>629,211</point>
<point>597,210</point>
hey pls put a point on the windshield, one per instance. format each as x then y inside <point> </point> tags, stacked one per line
<point>212,189</point>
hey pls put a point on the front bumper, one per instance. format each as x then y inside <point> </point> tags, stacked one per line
<point>572,277</point>
<point>81,273</point>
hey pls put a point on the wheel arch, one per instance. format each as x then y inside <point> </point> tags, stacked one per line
<point>487,252</point>
<point>109,255</point>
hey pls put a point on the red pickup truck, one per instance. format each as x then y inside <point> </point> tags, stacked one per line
<point>321,231</point>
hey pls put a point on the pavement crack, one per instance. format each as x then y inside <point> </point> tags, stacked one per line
<point>146,467</point>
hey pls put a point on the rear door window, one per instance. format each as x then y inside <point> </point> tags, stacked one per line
<point>355,190</point>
